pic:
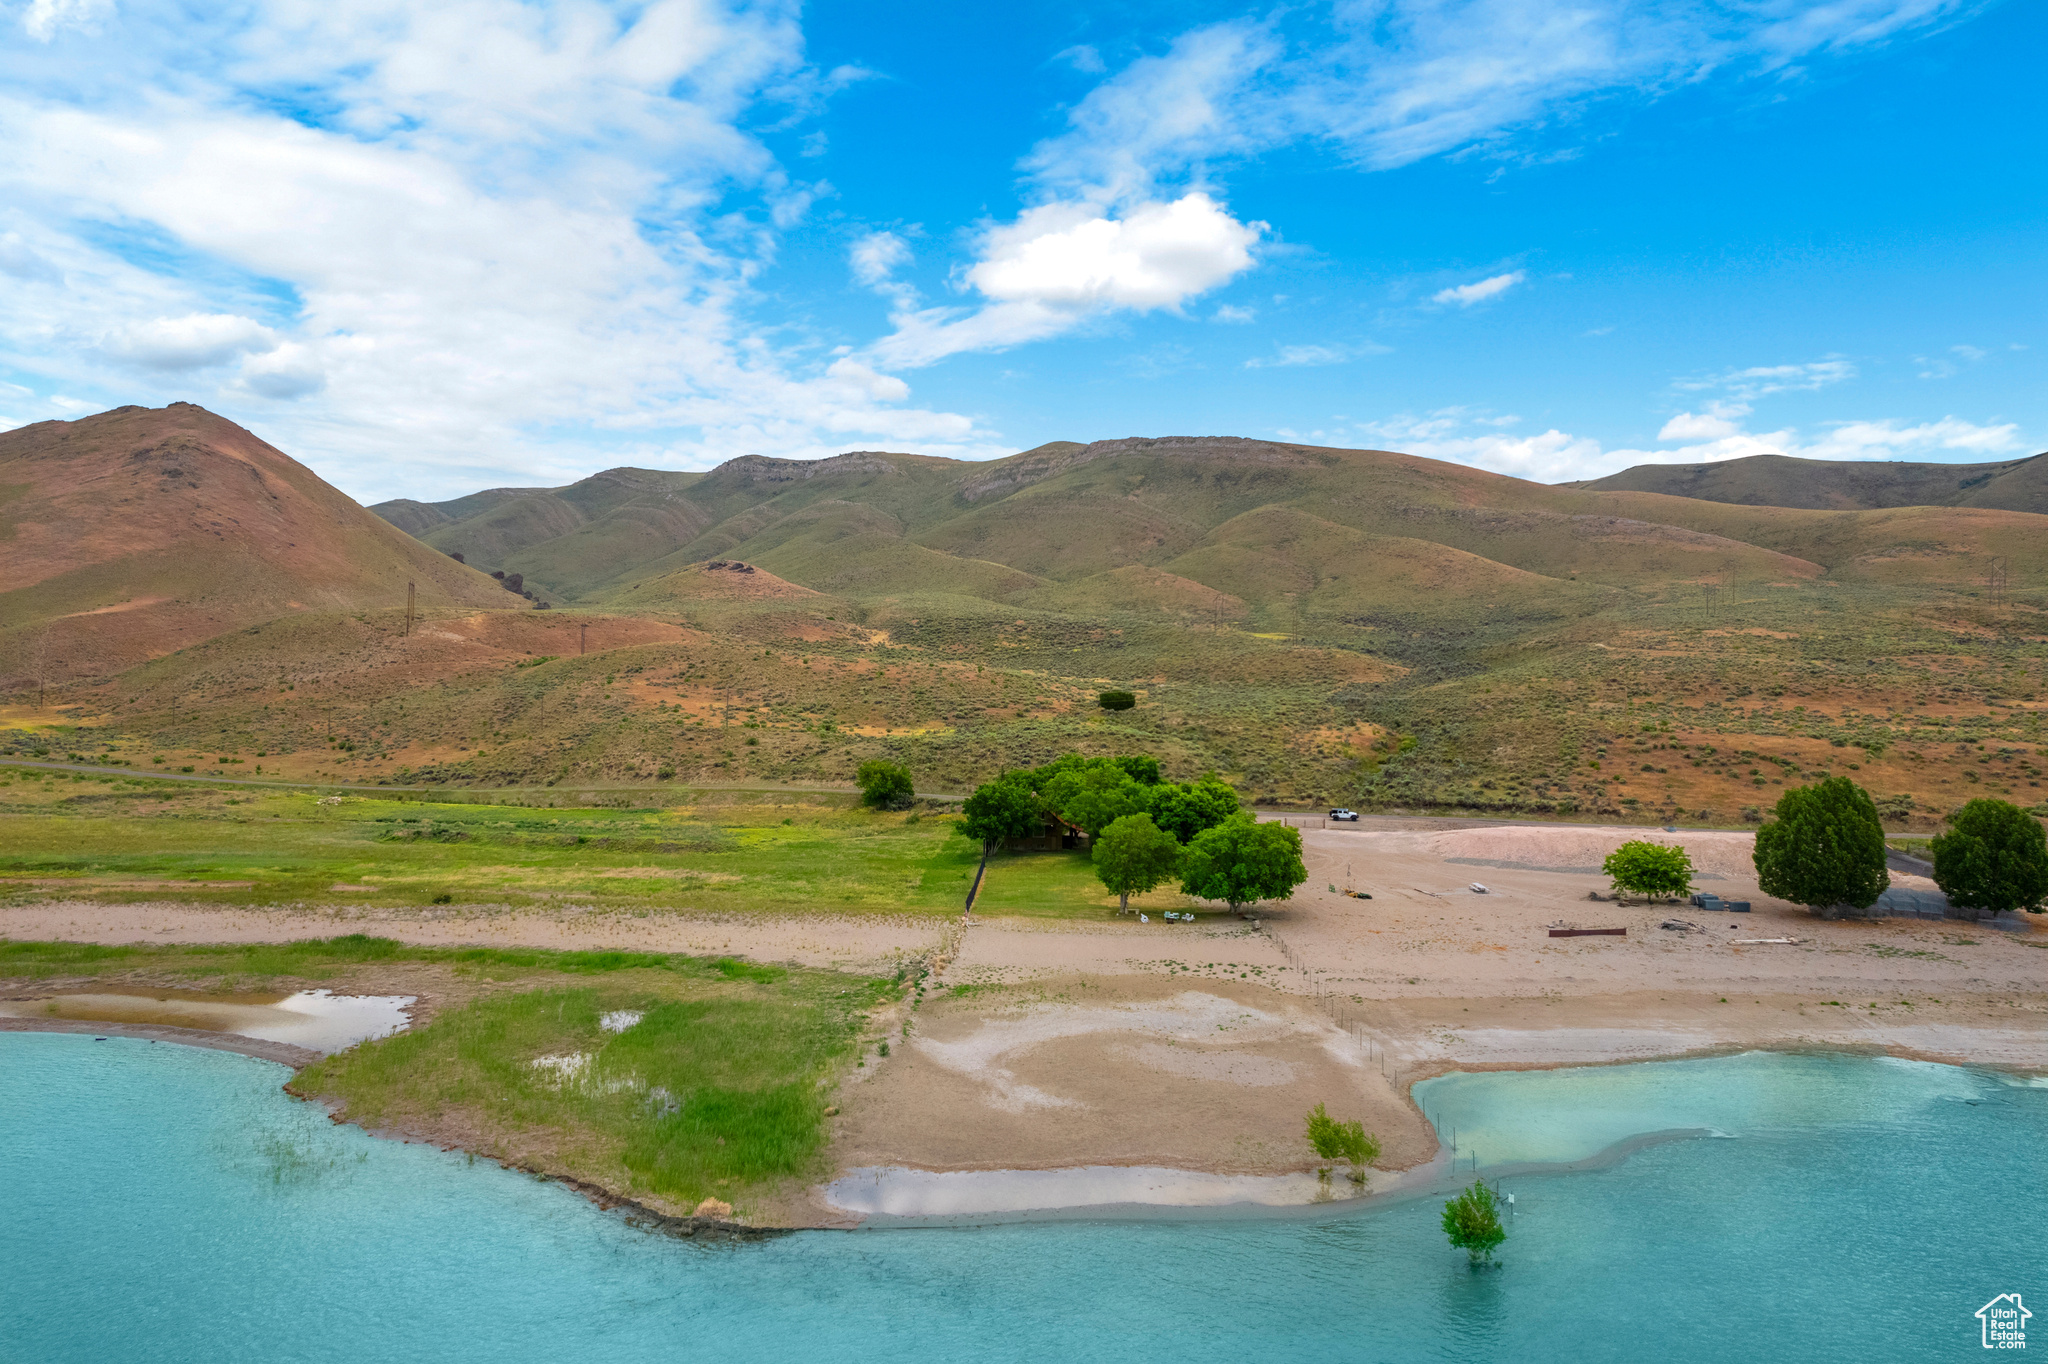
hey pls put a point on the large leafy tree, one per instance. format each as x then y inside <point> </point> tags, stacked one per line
<point>885,785</point>
<point>1640,867</point>
<point>1242,861</point>
<point>1095,795</point>
<point>1472,1221</point>
<point>1186,809</point>
<point>1004,808</point>
<point>1825,849</point>
<point>1993,858</point>
<point>1134,855</point>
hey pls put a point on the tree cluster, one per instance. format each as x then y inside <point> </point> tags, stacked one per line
<point>1145,831</point>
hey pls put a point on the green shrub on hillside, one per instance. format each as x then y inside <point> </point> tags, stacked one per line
<point>1825,849</point>
<point>1116,700</point>
<point>1994,858</point>
<point>884,785</point>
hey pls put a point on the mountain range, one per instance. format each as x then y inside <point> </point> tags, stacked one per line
<point>1312,623</point>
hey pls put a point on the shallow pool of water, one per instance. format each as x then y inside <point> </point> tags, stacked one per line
<point>169,1204</point>
<point>319,1020</point>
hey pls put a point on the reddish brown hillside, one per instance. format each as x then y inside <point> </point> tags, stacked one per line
<point>136,532</point>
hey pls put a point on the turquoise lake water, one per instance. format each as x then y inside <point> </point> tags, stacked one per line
<point>168,1204</point>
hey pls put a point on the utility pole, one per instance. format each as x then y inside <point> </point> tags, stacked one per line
<point>408,610</point>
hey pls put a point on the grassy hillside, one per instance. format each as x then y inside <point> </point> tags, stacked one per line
<point>1845,485</point>
<point>139,531</point>
<point>1316,625</point>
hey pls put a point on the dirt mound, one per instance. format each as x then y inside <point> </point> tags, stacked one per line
<point>1723,854</point>
<point>141,531</point>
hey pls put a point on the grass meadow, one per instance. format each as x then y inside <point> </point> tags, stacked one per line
<point>711,1080</point>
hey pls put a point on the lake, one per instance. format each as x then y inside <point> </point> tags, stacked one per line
<point>164,1203</point>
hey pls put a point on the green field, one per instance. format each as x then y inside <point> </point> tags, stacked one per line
<point>718,1090</point>
<point>114,838</point>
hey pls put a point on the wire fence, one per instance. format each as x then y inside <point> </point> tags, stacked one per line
<point>1338,1007</point>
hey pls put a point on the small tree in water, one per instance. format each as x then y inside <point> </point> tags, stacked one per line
<point>1472,1221</point>
<point>1345,1141</point>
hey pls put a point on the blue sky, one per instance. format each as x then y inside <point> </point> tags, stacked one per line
<point>433,248</point>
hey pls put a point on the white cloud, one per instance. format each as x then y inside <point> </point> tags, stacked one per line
<point>875,259</point>
<point>511,243</point>
<point>880,387</point>
<point>1390,82</point>
<point>1465,295</point>
<point>1289,356</point>
<point>1235,315</point>
<point>1761,380</point>
<point>1557,456</point>
<point>194,341</point>
<point>1155,256</point>
<point>1083,58</point>
<point>1062,263</point>
<point>1948,366</point>
<point>45,19</point>
<point>288,373</point>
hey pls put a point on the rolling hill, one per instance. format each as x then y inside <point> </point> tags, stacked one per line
<point>140,531</point>
<point>1314,624</point>
<point>1841,485</point>
<point>1286,530</point>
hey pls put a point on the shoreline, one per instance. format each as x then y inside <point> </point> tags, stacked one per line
<point>1418,1179</point>
<point>283,1053</point>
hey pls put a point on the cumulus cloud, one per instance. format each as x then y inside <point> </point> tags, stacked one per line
<point>194,341</point>
<point>1155,256</point>
<point>1465,295</point>
<point>1061,263</point>
<point>513,244</point>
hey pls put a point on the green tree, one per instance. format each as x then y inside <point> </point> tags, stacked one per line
<point>1133,855</point>
<point>1241,861</point>
<point>1994,858</point>
<point>1095,795</point>
<point>1116,700</point>
<point>1825,849</point>
<point>885,785</point>
<point>1639,867</point>
<point>1472,1221</point>
<point>1003,808</point>
<point>1142,767</point>
<point>1186,809</point>
<point>1345,1141</point>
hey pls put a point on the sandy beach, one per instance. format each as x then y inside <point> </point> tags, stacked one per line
<point>1047,1044</point>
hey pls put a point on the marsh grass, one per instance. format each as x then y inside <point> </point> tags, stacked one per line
<point>719,1089</point>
